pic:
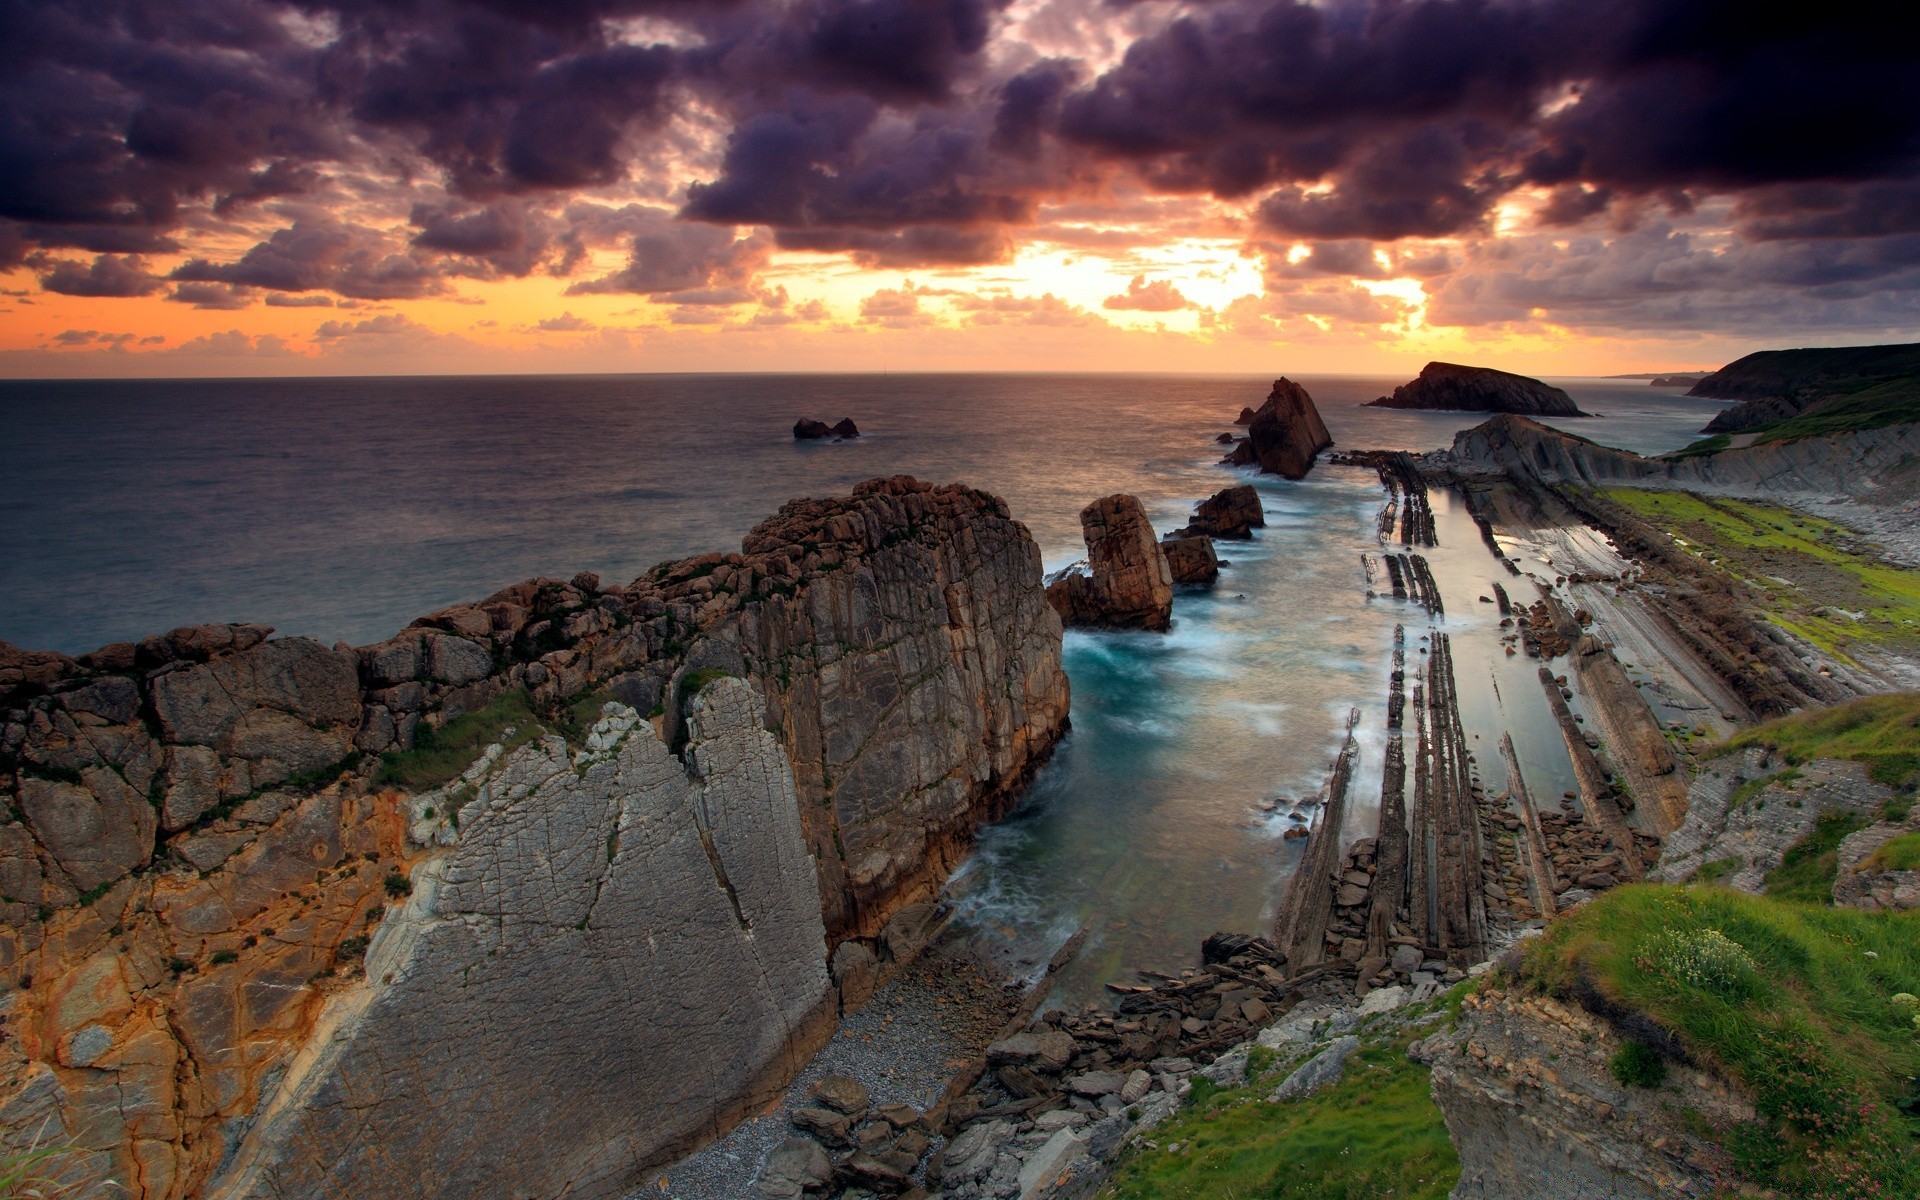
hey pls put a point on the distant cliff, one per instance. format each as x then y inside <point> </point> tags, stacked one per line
<point>250,947</point>
<point>1451,387</point>
<point>1864,386</point>
<point>1284,435</point>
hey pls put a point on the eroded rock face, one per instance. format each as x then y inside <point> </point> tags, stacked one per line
<point>1744,813</point>
<point>1192,560</point>
<point>202,851</point>
<point>1861,882</point>
<point>1131,586</point>
<point>1524,1086</point>
<point>633,942</point>
<point>1450,386</point>
<point>1284,435</point>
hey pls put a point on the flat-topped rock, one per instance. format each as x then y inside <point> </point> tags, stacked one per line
<point>1455,388</point>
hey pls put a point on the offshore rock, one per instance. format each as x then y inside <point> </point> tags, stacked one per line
<point>207,884</point>
<point>1192,560</point>
<point>1131,586</point>
<point>1523,1084</point>
<point>1451,387</point>
<point>807,429</point>
<point>1231,513</point>
<point>1285,435</point>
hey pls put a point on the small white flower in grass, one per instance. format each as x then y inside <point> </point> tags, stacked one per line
<point>1873,954</point>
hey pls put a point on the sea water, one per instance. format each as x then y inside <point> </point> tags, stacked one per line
<point>342,508</point>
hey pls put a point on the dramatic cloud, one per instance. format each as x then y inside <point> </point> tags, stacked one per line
<point>228,153</point>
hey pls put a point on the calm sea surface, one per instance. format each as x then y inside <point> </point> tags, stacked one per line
<point>341,509</point>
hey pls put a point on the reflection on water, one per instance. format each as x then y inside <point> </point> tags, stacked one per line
<point>344,508</point>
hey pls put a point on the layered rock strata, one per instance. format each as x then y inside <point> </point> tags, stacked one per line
<point>1523,1084</point>
<point>1130,585</point>
<point>1285,434</point>
<point>201,852</point>
<point>1452,387</point>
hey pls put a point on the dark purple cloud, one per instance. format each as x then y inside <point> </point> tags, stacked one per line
<point>107,275</point>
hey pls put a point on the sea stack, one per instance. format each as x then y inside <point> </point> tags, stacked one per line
<point>1285,435</point>
<point>1452,387</point>
<point>1192,560</point>
<point>806,429</point>
<point>1131,585</point>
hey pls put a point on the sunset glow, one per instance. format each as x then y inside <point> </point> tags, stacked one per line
<point>612,185</point>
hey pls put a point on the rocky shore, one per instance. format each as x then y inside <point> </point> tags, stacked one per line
<point>259,892</point>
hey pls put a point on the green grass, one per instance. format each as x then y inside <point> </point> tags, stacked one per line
<point>1882,732</point>
<point>1900,854</point>
<point>1716,870</point>
<point>1835,597</point>
<point>442,754</point>
<point>1375,1134</point>
<point>1809,1029</point>
<point>1808,868</point>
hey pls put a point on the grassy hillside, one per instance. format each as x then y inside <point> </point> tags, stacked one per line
<point>1891,402</point>
<point>1808,1007</point>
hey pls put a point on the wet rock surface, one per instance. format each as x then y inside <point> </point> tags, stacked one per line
<point>1192,561</point>
<point>1229,514</point>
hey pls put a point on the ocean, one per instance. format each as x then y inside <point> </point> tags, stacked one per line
<point>340,509</point>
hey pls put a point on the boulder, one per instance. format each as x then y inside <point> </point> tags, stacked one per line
<point>842,1094</point>
<point>794,1167</point>
<point>1046,1165</point>
<point>1131,586</point>
<point>1452,387</point>
<point>1322,1070</point>
<point>1285,435</point>
<point>845,428</point>
<point>1042,1049</point>
<point>1096,1083</point>
<point>1191,560</point>
<point>829,1126</point>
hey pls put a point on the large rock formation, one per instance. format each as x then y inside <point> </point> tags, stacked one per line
<point>202,976</point>
<point>1130,585</point>
<point>1285,435</point>
<point>1449,386</point>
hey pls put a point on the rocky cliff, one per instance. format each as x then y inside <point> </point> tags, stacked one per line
<point>1449,386</point>
<point>1776,385</point>
<point>201,850</point>
<point>1284,435</point>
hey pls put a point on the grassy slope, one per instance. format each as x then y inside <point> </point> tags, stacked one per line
<point>1377,1133</point>
<point>1811,1030</point>
<point>1881,731</point>
<point>1761,544</point>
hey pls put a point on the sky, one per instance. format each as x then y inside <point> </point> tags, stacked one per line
<point>238,187</point>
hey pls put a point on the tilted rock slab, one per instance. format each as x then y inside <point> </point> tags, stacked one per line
<point>583,982</point>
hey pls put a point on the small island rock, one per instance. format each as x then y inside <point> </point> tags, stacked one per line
<point>1452,387</point>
